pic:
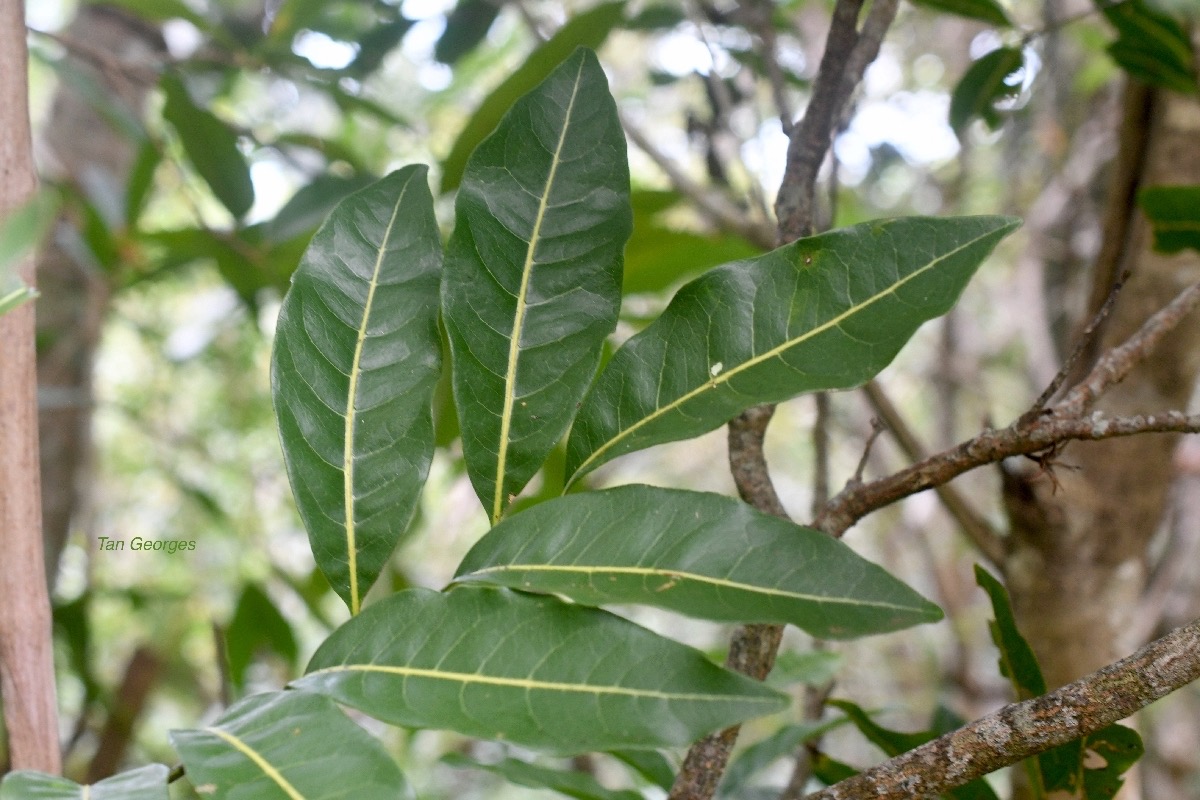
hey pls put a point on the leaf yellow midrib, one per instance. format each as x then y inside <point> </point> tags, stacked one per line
<point>260,762</point>
<point>514,344</point>
<point>685,575</point>
<point>727,375</point>
<point>531,685</point>
<point>351,413</point>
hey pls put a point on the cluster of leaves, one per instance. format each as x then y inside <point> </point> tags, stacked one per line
<point>1151,46</point>
<point>517,649</point>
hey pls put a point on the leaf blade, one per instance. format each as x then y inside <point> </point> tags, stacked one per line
<point>533,273</point>
<point>357,355</point>
<point>529,670</point>
<point>146,783</point>
<point>288,746</point>
<point>589,29</point>
<point>211,146</point>
<point>700,554</point>
<point>826,312</point>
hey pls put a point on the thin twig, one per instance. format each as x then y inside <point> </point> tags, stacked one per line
<point>1084,345</point>
<point>753,648</point>
<point>877,427</point>
<point>820,439</point>
<point>1060,423</point>
<point>977,529</point>
<point>715,206</point>
<point>1020,730</point>
<point>1119,361</point>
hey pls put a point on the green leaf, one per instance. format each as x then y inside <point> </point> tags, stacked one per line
<point>650,764</point>
<point>287,746</point>
<point>141,181</point>
<point>533,273</point>
<point>701,554</point>
<point>465,28</point>
<point>1117,747</point>
<point>1151,46</point>
<point>893,743</point>
<point>826,312</point>
<point>311,204</point>
<point>256,624</point>
<point>147,783</point>
<point>571,783</point>
<point>211,146</point>
<point>530,670</point>
<point>764,753</point>
<point>159,10</point>
<point>1058,768</point>
<point>810,668</point>
<point>357,356</point>
<point>1174,213</point>
<point>658,257</point>
<point>588,29</point>
<point>983,10</point>
<point>989,80</point>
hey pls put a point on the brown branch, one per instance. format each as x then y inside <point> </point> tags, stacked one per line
<point>1057,424</point>
<point>753,648</point>
<point>989,447</point>
<point>141,674</point>
<point>977,529</point>
<point>1120,360</point>
<point>26,661</point>
<point>1020,730</point>
<point>848,52</point>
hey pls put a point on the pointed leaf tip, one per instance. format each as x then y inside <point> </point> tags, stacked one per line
<point>533,273</point>
<point>826,312</point>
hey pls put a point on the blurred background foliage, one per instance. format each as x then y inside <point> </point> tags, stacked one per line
<point>195,145</point>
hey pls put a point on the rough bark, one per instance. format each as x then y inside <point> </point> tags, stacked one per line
<point>1077,561</point>
<point>83,150</point>
<point>26,663</point>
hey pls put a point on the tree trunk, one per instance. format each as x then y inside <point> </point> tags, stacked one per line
<point>26,662</point>
<point>118,52</point>
<point>1078,555</point>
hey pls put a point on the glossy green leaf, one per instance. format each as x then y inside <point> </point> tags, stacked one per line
<point>588,29</point>
<point>288,746</point>
<point>256,625</point>
<point>983,10</point>
<point>701,554</point>
<point>357,356</point>
<point>146,783</point>
<point>992,78</point>
<point>211,146</point>
<point>566,781</point>
<point>1151,46</point>
<point>1174,214</point>
<point>826,312</point>
<point>760,755</point>
<point>530,670</point>
<point>533,273</point>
